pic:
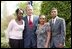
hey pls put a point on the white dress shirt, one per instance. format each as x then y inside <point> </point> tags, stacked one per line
<point>31,18</point>
<point>54,20</point>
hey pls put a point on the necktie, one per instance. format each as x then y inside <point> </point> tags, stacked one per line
<point>53,21</point>
<point>30,23</point>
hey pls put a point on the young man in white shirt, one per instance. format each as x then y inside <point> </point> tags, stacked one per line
<point>58,30</point>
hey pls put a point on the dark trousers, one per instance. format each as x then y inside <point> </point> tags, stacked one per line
<point>30,42</point>
<point>16,43</point>
<point>52,46</point>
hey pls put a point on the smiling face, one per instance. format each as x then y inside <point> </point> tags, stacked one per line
<point>19,13</point>
<point>29,10</point>
<point>42,19</point>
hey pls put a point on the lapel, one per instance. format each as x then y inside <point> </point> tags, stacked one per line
<point>33,20</point>
<point>56,21</point>
<point>26,20</point>
<point>54,25</point>
<point>51,22</point>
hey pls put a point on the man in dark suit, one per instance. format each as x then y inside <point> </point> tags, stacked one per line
<point>31,21</point>
<point>58,30</point>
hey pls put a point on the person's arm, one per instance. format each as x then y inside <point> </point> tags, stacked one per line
<point>48,40</point>
<point>48,37</point>
<point>63,34</point>
<point>9,28</point>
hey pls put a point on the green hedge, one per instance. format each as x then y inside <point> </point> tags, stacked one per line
<point>64,11</point>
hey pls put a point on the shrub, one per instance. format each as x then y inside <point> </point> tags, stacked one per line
<point>64,11</point>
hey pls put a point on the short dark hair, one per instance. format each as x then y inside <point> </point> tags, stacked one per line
<point>17,10</point>
<point>53,8</point>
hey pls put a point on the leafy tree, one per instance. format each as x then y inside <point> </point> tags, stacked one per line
<point>64,11</point>
<point>5,21</point>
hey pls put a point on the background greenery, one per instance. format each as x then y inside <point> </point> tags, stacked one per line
<point>64,11</point>
<point>5,21</point>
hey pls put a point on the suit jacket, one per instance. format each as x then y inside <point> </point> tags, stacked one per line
<point>29,34</point>
<point>58,31</point>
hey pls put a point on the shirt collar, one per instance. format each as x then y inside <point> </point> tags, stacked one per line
<point>31,16</point>
<point>55,18</point>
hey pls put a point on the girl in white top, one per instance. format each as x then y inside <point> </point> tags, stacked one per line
<point>15,30</point>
